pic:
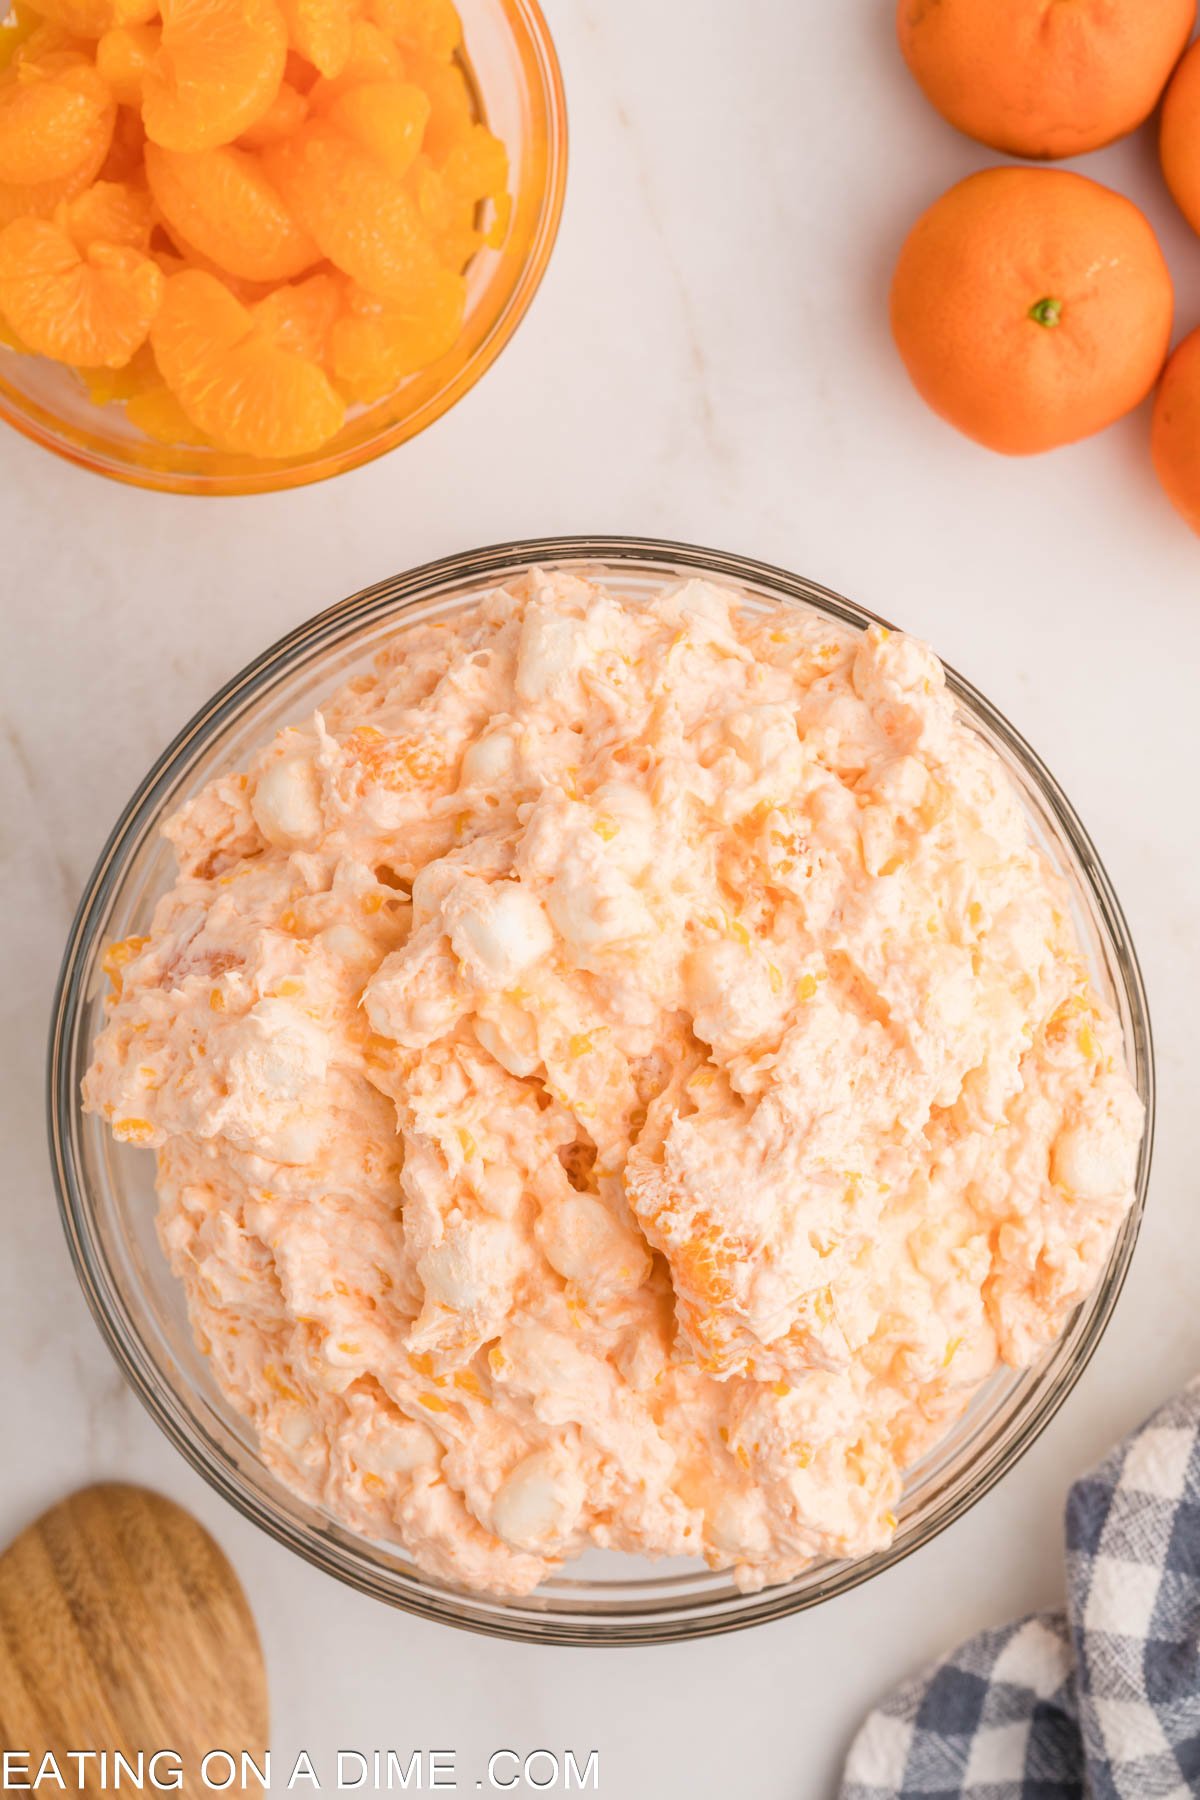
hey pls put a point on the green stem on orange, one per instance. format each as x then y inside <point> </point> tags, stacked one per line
<point>1046,312</point>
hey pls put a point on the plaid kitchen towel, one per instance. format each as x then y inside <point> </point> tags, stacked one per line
<point>1101,1702</point>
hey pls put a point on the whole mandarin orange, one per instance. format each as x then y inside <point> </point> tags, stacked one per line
<point>1175,439</point>
<point>1032,307</point>
<point>1044,78</point>
<point>1179,142</point>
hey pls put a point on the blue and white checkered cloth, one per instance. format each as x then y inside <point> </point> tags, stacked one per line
<point>1099,1703</point>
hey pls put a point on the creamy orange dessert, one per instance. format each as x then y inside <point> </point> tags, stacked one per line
<point>240,218</point>
<point>619,1074</point>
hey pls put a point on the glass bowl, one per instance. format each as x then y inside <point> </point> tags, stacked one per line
<point>513,71</point>
<point>106,1189</point>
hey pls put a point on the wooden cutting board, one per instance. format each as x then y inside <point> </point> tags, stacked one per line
<point>123,1627</point>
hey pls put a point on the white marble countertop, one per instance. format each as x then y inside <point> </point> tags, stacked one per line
<point>707,360</point>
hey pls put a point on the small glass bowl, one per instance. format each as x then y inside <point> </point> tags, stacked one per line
<point>513,70</point>
<point>106,1189</point>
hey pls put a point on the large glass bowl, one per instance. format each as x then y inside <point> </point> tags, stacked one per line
<point>510,63</point>
<point>106,1188</point>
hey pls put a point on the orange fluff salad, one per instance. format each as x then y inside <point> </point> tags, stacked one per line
<point>619,1075</point>
<point>239,218</point>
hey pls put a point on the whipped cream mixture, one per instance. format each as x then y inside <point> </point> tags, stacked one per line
<point>619,1074</point>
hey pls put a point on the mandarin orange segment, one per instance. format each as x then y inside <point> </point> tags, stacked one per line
<point>218,68</point>
<point>110,212</point>
<point>477,167</point>
<point>198,321</point>
<point>475,171</point>
<point>373,57</point>
<point>430,26</point>
<point>51,48</point>
<point>377,344</point>
<point>92,18</point>
<point>364,220</point>
<point>174,260</point>
<point>449,197</point>
<point>93,309</point>
<point>300,315</point>
<point>232,381</point>
<point>134,377</point>
<point>46,115</point>
<point>451,109</point>
<point>286,113</point>
<point>319,31</point>
<point>122,57</point>
<point>38,199</point>
<point>221,203</point>
<point>387,119</point>
<point>158,413</point>
<point>16,28</point>
<point>502,216</point>
<point>449,217</point>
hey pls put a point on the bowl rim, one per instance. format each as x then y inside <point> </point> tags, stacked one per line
<point>539,59</point>
<point>321,1547</point>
